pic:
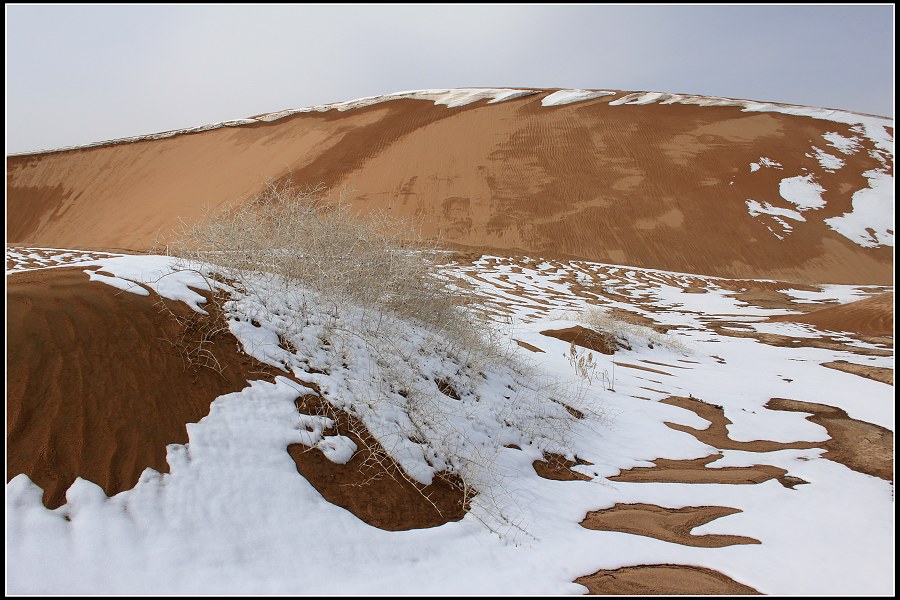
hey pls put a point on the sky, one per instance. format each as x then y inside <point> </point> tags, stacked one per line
<point>80,74</point>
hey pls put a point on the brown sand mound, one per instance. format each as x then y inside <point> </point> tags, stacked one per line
<point>559,468</point>
<point>371,485</point>
<point>663,580</point>
<point>861,446</point>
<point>868,371</point>
<point>584,337</point>
<point>873,316</point>
<point>666,185</point>
<point>94,390</point>
<point>667,524</point>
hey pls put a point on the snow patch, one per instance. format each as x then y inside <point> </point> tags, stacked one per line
<point>640,98</point>
<point>828,162</point>
<point>802,191</point>
<point>870,222</point>
<point>755,209</point>
<point>338,449</point>
<point>568,96</point>
<point>846,145</point>
<point>116,282</point>
<point>764,162</point>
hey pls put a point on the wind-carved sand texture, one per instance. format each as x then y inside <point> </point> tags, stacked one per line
<point>510,176</point>
<point>96,385</point>
<point>872,316</point>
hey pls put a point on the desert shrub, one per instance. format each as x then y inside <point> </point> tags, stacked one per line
<point>377,262</point>
<point>360,307</point>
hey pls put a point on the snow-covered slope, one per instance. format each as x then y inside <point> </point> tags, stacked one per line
<point>233,515</point>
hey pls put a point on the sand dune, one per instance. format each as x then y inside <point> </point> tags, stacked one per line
<point>95,388</point>
<point>872,316</point>
<point>673,186</point>
<point>680,183</point>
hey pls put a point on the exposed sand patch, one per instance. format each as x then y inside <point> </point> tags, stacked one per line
<point>872,316</point>
<point>881,374</point>
<point>667,524</point>
<point>558,468</point>
<point>653,362</point>
<point>641,368</point>
<point>527,346</point>
<point>861,446</point>
<point>584,337</point>
<point>658,391</point>
<point>663,580</point>
<point>371,485</point>
<point>716,434</point>
<point>94,388</point>
<point>695,471</point>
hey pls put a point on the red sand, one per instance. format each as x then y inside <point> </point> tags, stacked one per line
<point>94,390</point>
<point>660,186</point>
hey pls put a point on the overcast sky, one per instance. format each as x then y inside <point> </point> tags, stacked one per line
<point>88,73</point>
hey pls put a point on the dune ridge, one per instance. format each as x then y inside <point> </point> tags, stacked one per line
<point>684,183</point>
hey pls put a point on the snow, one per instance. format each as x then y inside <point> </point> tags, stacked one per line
<point>873,127</point>
<point>846,145</point>
<point>48,258</point>
<point>870,223</point>
<point>841,294</point>
<point>116,282</point>
<point>803,192</point>
<point>569,96</point>
<point>451,98</point>
<point>170,279</point>
<point>456,98</point>
<point>337,448</point>
<point>764,162</point>
<point>827,161</point>
<point>640,98</point>
<point>232,512</point>
<point>756,209</point>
